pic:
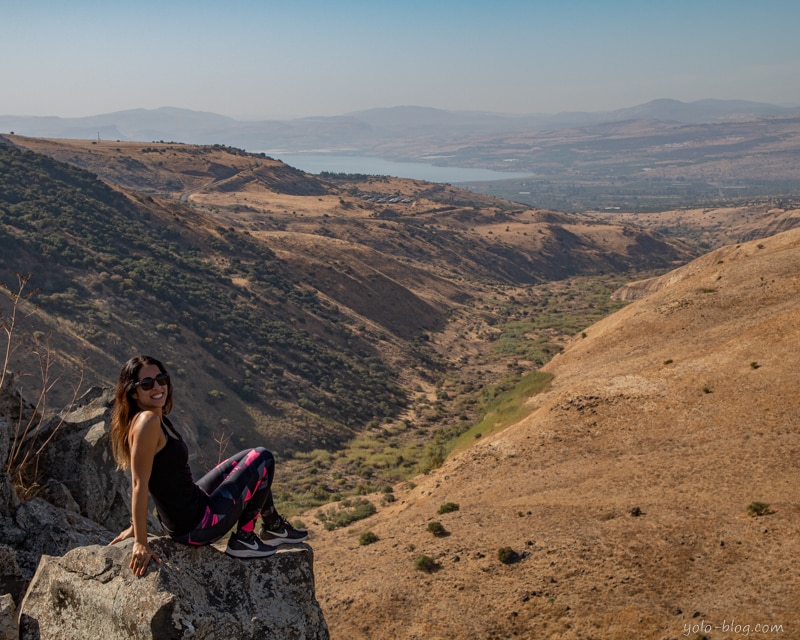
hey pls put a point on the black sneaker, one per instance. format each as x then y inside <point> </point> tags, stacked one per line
<point>280,532</point>
<point>246,544</point>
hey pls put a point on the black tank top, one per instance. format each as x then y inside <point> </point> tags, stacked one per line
<point>179,501</point>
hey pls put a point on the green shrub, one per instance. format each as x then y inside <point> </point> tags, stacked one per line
<point>507,555</point>
<point>437,529</point>
<point>447,507</point>
<point>349,512</point>
<point>755,509</point>
<point>367,538</point>
<point>426,564</point>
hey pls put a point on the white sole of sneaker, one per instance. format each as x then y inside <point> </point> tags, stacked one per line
<point>245,553</point>
<point>276,542</point>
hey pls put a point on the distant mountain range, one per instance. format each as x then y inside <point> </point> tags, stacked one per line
<point>364,130</point>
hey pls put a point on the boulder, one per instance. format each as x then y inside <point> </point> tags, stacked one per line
<point>12,582</point>
<point>53,531</point>
<point>100,491</point>
<point>197,592</point>
<point>74,465</point>
<point>9,630</point>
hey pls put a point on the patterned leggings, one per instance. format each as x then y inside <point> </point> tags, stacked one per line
<point>239,489</point>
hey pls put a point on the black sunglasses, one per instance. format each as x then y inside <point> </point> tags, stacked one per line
<point>148,383</point>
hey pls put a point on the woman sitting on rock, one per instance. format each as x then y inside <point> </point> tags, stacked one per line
<point>235,492</point>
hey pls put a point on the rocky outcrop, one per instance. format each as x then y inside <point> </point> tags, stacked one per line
<point>195,593</point>
<point>81,497</point>
<point>97,489</point>
<point>44,529</point>
<point>54,546</point>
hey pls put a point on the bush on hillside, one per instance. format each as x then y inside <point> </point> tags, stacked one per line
<point>426,564</point>
<point>448,507</point>
<point>507,555</point>
<point>349,511</point>
<point>367,538</point>
<point>756,509</point>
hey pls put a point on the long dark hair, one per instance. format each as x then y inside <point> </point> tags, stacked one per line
<point>125,407</point>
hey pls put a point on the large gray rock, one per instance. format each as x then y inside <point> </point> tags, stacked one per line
<point>12,582</point>
<point>71,453</point>
<point>9,630</point>
<point>99,490</point>
<point>49,530</point>
<point>198,592</point>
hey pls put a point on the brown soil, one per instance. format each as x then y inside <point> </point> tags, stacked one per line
<point>626,492</point>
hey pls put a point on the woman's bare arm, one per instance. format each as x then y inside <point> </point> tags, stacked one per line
<point>146,439</point>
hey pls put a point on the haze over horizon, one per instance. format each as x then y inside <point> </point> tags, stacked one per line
<point>264,60</point>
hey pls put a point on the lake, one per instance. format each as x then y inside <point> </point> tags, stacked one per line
<point>318,162</point>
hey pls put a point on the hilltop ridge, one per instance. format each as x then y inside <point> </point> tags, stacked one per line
<point>660,155</point>
<point>362,127</point>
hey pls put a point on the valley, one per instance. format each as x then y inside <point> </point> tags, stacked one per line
<point>441,292</point>
<point>586,404</point>
<point>456,295</point>
<point>629,502</point>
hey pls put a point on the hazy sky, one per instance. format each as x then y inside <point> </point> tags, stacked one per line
<point>254,59</point>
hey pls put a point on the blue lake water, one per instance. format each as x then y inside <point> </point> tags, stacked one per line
<point>318,162</point>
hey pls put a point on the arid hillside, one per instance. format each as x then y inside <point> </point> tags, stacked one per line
<point>285,303</point>
<point>651,494</point>
<point>292,310</point>
<point>713,227</point>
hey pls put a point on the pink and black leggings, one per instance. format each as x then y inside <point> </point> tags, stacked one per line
<point>239,489</point>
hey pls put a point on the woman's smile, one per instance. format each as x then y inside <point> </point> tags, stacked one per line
<point>154,398</point>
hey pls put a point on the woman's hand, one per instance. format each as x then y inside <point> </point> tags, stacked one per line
<point>140,558</point>
<point>124,535</point>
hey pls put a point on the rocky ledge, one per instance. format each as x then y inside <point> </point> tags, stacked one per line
<point>194,593</point>
<point>59,579</point>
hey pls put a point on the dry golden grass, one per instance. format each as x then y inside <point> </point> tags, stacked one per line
<point>683,405</point>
